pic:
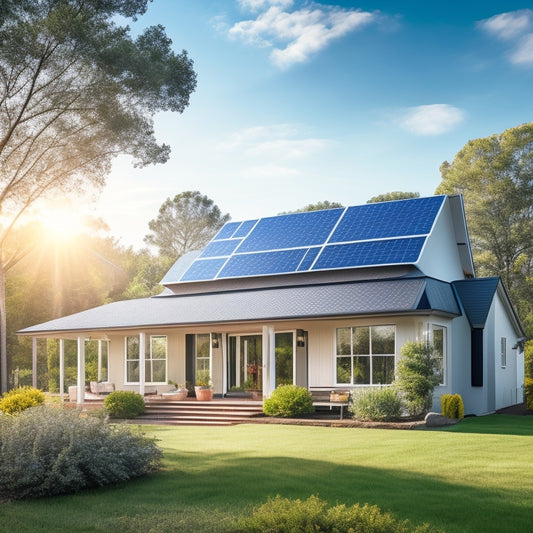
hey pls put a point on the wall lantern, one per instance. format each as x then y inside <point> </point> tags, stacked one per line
<point>300,338</point>
<point>215,340</point>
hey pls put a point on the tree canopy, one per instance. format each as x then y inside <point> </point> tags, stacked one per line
<point>76,90</point>
<point>394,195</point>
<point>318,206</point>
<point>186,222</point>
<point>495,177</point>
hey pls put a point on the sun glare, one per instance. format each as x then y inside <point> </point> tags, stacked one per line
<point>63,223</point>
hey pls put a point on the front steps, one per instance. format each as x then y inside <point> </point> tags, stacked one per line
<point>194,413</point>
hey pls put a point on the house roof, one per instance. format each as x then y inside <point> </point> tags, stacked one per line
<point>368,297</point>
<point>476,297</point>
<point>377,234</point>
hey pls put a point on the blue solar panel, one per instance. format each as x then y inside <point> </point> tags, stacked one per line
<point>388,219</point>
<point>226,232</point>
<point>310,256</point>
<point>262,263</point>
<point>386,252</point>
<point>245,228</point>
<point>291,231</point>
<point>220,248</point>
<point>368,235</point>
<point>203,269</point>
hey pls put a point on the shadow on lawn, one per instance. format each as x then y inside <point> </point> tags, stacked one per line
<point>242,482</point>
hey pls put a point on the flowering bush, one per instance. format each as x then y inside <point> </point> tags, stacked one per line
<point>47,451</point>
<point>17,400</point>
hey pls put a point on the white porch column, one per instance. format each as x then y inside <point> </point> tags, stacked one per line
<point>142,362</point>
<point>269,361</point>
<point>62,368</point>
<point>81,371</point>
<point>224,364</point>
<point>99,371</point>
<point>34,362</point>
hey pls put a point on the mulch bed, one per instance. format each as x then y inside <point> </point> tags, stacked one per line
<point>519,409</point>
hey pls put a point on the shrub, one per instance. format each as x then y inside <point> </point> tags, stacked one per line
<point>452,406</point>
<point>528,359</point>
<point>47,451</point>
<point>124,404</point>
<point>416,376</point>
<point>17,400</point>
<point>382,404</point>
<point>281,515</point>
<point>289,401</point>
<point>528,389</point>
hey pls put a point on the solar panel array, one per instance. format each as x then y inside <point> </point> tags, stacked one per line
<point>368,235</point>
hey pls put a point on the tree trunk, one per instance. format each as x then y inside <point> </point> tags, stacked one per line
<point>3,331</point>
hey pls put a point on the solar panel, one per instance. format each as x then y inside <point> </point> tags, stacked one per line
<point>367,235</point>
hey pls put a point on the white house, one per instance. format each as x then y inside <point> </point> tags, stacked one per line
<point>323,299</point>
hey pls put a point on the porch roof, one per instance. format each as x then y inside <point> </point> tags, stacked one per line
<point>370,297</point>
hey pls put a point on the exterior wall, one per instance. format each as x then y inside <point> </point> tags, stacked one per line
<point>440,256</point>
<point>508,379</point>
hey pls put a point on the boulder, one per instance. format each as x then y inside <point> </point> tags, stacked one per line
<point>434,420</point>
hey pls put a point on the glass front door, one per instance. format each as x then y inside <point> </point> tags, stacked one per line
<point>245,353</point>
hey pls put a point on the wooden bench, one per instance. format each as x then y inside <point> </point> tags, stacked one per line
<point>323,397</point>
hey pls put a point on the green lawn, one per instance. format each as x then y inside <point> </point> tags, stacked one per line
<point>476,476</point>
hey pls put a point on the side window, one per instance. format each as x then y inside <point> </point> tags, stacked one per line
<point>132,359</point>
<point>438,339</point>
<point>503,352</point>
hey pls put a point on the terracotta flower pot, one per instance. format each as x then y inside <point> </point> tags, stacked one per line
<point>203,394</point>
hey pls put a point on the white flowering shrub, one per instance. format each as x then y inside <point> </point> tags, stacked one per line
<point>46,451</point>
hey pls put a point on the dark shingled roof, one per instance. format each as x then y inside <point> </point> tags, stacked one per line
<point>476,296</point>
<point>369,297</point>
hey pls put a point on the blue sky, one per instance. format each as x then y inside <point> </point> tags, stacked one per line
<point>299,102</point>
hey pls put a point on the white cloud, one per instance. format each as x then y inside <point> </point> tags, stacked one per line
<point>432,119</point>
<point>280,141</point>
<point>523,54</point>
<point>298,34</point>
<point>515,28</point>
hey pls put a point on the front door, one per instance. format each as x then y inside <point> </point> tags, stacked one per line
<point>245,353</point>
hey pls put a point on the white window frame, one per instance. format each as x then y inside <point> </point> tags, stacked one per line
<point>148,360</point>
<point>370,355</point>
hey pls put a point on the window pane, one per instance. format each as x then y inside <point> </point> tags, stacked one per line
<point>361,343</point>
<point>344,369</point>
<point>382,370</point>
<point>361,370</point>
<point>159,347</point>
<point>132,348</point>
<point>383,340</point>
<point>202,365</point>
<point>344,342</point>
<point>133,371</point>
<point>202,345</point>
<point>148,371</point>
<point>438,346</point>
<point>159,372</point>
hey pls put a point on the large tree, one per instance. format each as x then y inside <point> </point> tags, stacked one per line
<point>495,177</point>
<point>186,222</point>
<point>76,90</point>
<point>394,195</point>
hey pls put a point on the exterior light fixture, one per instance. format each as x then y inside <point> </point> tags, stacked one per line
<point>300,338</point>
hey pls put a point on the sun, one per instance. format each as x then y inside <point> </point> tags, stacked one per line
<point>62,222</point>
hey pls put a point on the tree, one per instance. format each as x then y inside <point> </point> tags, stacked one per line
<point>495,177</point>
<point>394,195</point>
<point>319,206</point>
<point>417,376</point>
<point>76,90</point>
<point>187,222</point>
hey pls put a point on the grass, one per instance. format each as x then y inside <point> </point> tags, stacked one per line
<point>472,477</point>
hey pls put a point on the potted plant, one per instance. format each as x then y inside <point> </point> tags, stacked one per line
<point>179,393</point>
<point>204,387</point>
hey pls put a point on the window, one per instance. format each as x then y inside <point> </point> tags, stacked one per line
<point>155,360</point>
<point>365,355</point>
<point>203,344</point>
<point>438,339</point>
<point>503,352</point>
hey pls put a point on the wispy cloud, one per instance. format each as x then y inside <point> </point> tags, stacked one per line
<point>279,141</point>
<point>296,34</point>
<point>516,29</point>
<point>432,119</point>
